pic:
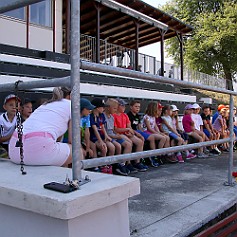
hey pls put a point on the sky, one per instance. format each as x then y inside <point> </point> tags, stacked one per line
<point>154,49</point>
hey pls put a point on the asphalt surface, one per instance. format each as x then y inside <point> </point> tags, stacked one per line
<point>177,199</point>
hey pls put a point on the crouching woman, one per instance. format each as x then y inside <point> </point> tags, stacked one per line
<point>42,133</point>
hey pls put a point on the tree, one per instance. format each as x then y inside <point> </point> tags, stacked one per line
<point>212,48</point>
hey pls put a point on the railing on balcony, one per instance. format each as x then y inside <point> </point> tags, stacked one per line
<point>119,56</point>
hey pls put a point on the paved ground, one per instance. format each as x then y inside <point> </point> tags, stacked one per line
<point>176,199</point>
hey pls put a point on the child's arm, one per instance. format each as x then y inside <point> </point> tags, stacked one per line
<point>169,127</point>
<point>5,138</point>
<point>148,125</point>
<point>87,139</point>
<point>107,137</point>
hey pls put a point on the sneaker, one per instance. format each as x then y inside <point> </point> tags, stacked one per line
<point>180,158</point>
<point>190,156</point>
<point>131,168</point>
<point>171,159</point>
<point>3,153</point>
<point>202,155</point>
<point>215,152</point>
<point>107,169</point>
<point>226,150</point>
<point>192,151</point>
<point>122,170</point>
<point>205,150</point>
<point>140,167</point>
<point>154,163</point>
<point>216,148</point>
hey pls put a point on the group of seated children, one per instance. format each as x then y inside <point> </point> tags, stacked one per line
<point>106,129</point>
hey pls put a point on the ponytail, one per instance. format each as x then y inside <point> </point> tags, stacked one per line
<point>59,93</point>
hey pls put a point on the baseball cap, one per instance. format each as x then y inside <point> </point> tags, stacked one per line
<point>174,108</point>
<point>196,106</point>
<point>10,97</point>
<point>188,106</point>
<point>220,107</point>
<point>98,102</point>
<point>86,104</point>
<point>159,106</point>
<point>122,102</point>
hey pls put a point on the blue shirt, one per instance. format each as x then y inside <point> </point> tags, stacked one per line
<point>214,117</point>
<point>98,121</point>
<point>84,123</point>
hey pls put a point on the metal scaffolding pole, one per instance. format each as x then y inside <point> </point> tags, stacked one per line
<point>9,5</point>
<point>26,85</point>
<point>75,85</point>
<point>144,154</point>
<point>146,76</point>
<point>231,142</point>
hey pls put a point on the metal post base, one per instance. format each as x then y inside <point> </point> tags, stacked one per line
<point>84,181</point>
<point>232,184</point>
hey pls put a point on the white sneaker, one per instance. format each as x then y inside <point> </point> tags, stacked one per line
<point>217,150</point>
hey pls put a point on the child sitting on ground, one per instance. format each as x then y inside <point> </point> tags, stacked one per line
<point>119,140</point>
<point>123,126</point>
<point>8,120</point>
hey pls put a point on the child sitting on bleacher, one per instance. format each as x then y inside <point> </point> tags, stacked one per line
<point>98,135</point>
<point>8,120</point>
<point>168,127</point>
<point>136,124</point>
<point>86,107</point>
<point>123,126</point>
<point>189,128</point>
<point>119,140</point>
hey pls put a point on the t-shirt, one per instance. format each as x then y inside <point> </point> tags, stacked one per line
<point>197,119</point>
<point>214,117</point>
<point>187,123</point>
<point>207,118</point>
<point>217,124</point>
<point>84,123</point>
<point>98,121</point>
<point>6,126</point>
<point>159,122</point>
<point>152,121</point>
<point>134,119</point>
<point>52,118</point>
<point>109,126</point>
<point>168,120</point>
<point>121,120</point>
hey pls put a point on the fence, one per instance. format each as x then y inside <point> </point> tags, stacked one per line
<point>74,81</point>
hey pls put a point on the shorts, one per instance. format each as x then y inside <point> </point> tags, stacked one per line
<point>39,151</point>
<point>184,135</point>
<point>145,134</point>
<point>206,132</point>
<point>173,136</point>
<point>120,141</point>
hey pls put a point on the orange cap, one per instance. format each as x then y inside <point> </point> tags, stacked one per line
<point>220,107</point>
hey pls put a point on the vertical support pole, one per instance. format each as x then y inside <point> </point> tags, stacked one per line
<point>54,24</point>
<point>136,44</point>
<point>98,10</point>
<point>27,26</point>
<point>231,153</point>
<point>162,54</point>
<point>68,12</point>
<point>75,85</point>
<point>181,57</point>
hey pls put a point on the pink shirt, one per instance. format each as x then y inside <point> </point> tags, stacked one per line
<point>187,123</point>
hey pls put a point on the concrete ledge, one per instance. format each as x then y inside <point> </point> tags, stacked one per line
<point>26,192</point>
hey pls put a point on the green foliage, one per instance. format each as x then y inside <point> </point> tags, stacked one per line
<point>212,48</point>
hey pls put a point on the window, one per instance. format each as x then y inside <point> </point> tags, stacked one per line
<point>41,13</point>
<point>17,13</point>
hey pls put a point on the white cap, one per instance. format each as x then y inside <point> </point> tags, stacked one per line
<point>174,108</point>
<point>196,106</point>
